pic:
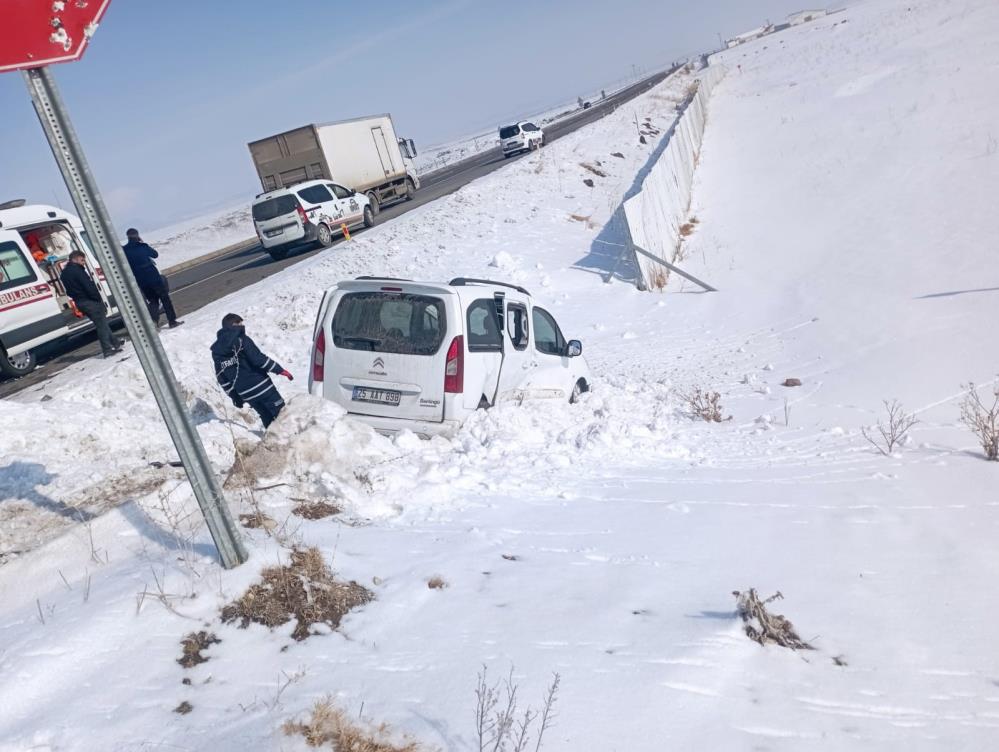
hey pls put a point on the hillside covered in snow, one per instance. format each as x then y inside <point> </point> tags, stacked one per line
<point>843,210</point>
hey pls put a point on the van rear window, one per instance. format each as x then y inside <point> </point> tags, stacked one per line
<point>509,131</point>
<point>274,207</point>
<point>389,323</point>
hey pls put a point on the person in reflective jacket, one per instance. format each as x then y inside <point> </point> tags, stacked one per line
<point>242,370</point>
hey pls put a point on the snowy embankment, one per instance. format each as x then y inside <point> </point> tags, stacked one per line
<point>193,238</point>
<point>841,199</point>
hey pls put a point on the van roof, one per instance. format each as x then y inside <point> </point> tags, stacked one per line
<point>33,214</point>
<point>377,283</point>
<point>288,189</point>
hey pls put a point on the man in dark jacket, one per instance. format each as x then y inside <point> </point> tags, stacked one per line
<point>81,288</point>
<point>152,284</point>
<point>242,370</point>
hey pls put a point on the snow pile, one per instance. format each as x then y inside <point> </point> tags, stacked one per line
<point>842,197</point>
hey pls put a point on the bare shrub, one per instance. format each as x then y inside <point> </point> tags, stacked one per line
<point>184,708</point>
<point>704,405</point>
<point>304,590</point>
<point>499,725</point>
<point>437,582</point>
<point>658,278</point>
<point>686,229</point>
<point>764,627</point>
<point>892,430</point>
<point>982,420</point>
<point>595,170</point>
<point>256,520</point>
<point>329,725</point>
<point>193,644</point>
<point>315,509</point>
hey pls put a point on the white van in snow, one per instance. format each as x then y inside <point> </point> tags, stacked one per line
<point>35,243</point>
<point>423,356</point>
<point>522,136</point>
<point>311,212</point>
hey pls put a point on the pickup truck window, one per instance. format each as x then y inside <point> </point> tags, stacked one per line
<point>14,267</point>
<point>483,329</point>
<point>316,194</point>
<point>389,323</point>
<point>547,336</point>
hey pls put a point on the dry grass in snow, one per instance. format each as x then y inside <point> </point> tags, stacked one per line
<point>304,590</point>
<point>764,627</point>
<point>330,726</point>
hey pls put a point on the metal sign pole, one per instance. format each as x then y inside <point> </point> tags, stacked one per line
<point>83,188</point>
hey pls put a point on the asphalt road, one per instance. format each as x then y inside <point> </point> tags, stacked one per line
<point>248,263</point>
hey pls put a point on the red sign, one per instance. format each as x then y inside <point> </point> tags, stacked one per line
<point>34,33</point>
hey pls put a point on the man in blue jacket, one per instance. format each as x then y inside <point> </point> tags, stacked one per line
<point>242,370</point>
<point>152,284</point>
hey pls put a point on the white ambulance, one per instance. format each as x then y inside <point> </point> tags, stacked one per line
<point>35,243</point>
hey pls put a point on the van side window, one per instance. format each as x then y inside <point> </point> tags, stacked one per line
<point>483,329</point>
<point>340,191</point>
<point>14,267</point>
<point>516,325</point>
<point>547,336</point>
<point>316,194</point>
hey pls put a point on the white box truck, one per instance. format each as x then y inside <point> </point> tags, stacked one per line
<point>363,154</point>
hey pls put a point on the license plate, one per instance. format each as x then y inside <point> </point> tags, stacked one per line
<point>272,233</point>
<point>381,396</point>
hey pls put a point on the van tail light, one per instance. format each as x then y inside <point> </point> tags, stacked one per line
<point>319,357</point>
<point>454,370</point>
<point>302,215</point>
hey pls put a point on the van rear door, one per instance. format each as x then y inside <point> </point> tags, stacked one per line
<point>386,351</point>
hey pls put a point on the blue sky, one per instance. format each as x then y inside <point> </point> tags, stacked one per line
<point>169,93</point>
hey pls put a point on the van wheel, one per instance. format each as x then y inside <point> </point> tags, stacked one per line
<point>19,365</point>
<point>369,216</point>
<point>324,236</point>
<point>577,391</point>
<point>373,202</point>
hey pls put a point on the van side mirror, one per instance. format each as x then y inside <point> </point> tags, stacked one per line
<point>573,348</point>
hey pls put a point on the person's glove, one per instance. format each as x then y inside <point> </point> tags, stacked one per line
<point>237,401</point>
<point>287,375</point>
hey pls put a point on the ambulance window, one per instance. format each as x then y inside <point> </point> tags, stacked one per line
<point>14,267</point>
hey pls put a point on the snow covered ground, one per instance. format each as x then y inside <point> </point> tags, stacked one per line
<point>844,204</point>
<point>438,156</point>
<point>213,231</point>
<point>202,235</point>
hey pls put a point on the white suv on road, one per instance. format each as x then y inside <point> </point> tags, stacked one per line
<point>424,356</point>
<point>522,136</point>
<point>310,212</point>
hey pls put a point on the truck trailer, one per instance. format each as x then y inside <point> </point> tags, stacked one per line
<point>363,154</point>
